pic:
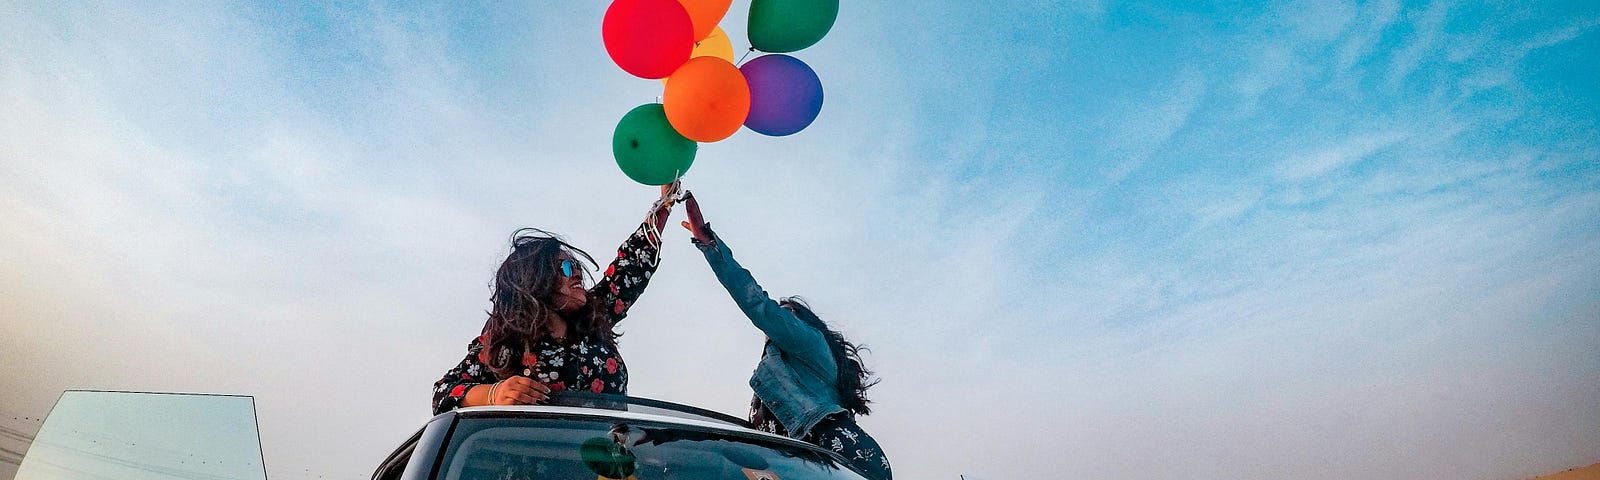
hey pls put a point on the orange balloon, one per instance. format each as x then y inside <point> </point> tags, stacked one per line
<point>705,14</point>
<point>707,99</point>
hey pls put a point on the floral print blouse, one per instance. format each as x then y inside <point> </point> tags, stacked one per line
<point>588,363</point>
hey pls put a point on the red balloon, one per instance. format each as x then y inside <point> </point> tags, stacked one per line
<point>648,38</point>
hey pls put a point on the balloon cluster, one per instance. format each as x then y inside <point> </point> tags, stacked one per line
<point>706,97</point>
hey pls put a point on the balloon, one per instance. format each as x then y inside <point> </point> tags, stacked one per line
<point>648,149</point>
<point>785,94</point>
<point>715,45</point>
<point>705,14</point>
<point>788,25</point>
<point>648,38</point>
<point>707,99</point>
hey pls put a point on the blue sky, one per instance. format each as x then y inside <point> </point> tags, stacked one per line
<point>1307,239</point>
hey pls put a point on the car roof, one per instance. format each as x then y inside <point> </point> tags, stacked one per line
<point>607,414</point>
<point>620,407</point>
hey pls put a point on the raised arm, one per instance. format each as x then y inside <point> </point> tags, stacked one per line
<point>636,260</point>
<point>787,331</point>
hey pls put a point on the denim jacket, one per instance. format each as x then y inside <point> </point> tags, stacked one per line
<point>797,377</point>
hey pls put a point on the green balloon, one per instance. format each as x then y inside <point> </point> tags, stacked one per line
<point>780,26</point>
<point>648,149</point>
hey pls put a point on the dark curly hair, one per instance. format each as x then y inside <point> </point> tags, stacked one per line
<point>854,377</point>
<point>524,288</point>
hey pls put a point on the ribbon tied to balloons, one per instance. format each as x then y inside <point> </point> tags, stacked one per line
<point>706,97</point>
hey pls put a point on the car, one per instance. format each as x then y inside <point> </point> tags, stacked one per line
<point>581,435</point>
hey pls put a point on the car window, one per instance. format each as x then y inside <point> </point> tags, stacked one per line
<point>134,436</point>
<point>537,448</point>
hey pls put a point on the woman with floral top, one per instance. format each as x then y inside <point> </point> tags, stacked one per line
<point>810,383</point>
<point>545,332</point>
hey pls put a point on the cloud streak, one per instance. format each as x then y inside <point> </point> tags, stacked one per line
<point>1344,153</point>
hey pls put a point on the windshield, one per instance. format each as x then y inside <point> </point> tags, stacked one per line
<point>538,448</point>
<point>133,436</point>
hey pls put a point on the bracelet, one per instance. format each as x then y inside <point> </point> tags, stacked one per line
<point>491,392</point>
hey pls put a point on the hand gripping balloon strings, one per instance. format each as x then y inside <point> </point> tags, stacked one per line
<point>670,197</point>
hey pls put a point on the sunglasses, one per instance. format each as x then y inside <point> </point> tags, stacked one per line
<point>569,268</point>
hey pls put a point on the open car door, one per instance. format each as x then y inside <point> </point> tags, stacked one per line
<point>95,435</point>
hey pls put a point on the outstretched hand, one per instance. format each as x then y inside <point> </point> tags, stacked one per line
<point>697,222</point>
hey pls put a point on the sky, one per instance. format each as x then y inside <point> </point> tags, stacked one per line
<point>1315,239</point>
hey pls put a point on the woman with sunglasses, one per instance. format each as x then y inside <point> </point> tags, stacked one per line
<point>545,331</point>
<point>810,383</point>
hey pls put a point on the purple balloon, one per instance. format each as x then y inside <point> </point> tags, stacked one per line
<point>785,94</point>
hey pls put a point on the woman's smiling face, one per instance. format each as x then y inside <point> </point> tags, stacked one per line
<point>570,294</point>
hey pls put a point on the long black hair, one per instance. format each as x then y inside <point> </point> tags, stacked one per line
<point>854,377</point>
<point>523,301</point>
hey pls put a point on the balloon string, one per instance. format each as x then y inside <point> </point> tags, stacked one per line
<point>677,187</point>
<point>746,55</point>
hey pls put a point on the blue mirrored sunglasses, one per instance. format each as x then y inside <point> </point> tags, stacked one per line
<point>569,267</point>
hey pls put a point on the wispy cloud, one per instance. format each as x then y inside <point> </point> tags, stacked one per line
<point>1426,27</point>
<point>1317,21</point>
<point>1343,153</point>
<point>1273,65</point>
<point>1374,19</point>
<point>1559,36</point>
<point>1504,56</point>
<point>1150,124</point>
